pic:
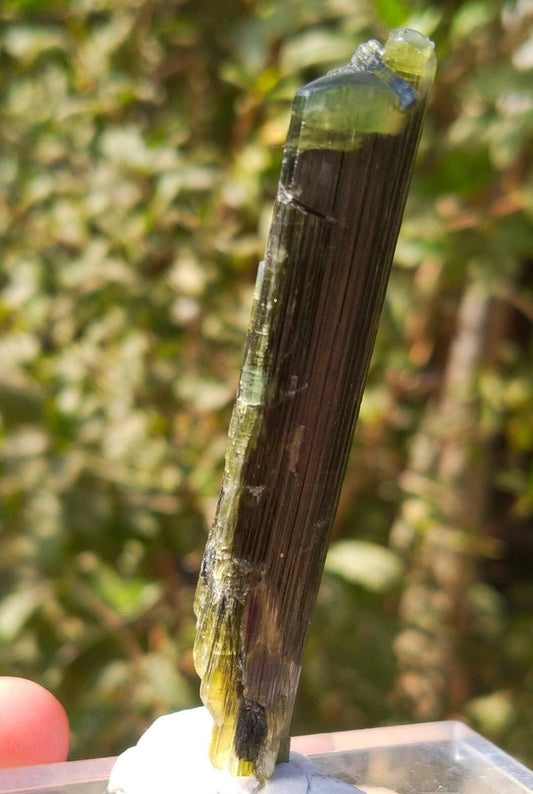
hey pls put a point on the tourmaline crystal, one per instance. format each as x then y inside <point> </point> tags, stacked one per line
<point>345,175</point>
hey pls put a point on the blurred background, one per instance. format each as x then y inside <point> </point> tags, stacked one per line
<point>140,146</point>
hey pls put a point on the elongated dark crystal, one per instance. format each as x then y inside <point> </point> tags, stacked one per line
<point>319,292</point>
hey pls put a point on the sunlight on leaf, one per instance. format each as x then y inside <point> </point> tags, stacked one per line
<point>360,562</point>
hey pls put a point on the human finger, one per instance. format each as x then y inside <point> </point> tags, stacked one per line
<point>34,726</point>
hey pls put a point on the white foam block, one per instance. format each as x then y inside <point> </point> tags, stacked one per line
<point>172,758</point>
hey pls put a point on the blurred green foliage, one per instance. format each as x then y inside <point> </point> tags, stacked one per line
<point>140,144</point>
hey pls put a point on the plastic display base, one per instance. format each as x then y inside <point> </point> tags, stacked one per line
<point>431,758</point>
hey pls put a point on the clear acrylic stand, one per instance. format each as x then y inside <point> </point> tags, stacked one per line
<point>431,758</point>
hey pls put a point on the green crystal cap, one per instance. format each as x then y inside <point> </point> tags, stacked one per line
<point>370,94</point>
<point>411,55</point>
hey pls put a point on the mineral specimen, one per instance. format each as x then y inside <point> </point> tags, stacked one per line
<point>345,175</point>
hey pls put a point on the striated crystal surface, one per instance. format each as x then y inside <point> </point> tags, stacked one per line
<point>345,175</point>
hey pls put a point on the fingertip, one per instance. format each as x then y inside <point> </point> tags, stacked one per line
<point>34,726</point>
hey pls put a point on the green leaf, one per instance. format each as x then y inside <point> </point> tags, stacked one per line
<point>315,47</point>
<point>471,17</point>
<point>17,608</point>
<point>392,13</point>
<point>492,714</point>
<point>127,596</point>
<point>366,564</point>
<point>27,43</point>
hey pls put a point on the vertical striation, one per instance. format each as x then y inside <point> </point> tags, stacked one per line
<point>319,292</point>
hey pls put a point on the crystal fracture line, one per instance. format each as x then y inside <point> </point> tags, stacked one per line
<point>319,294</point>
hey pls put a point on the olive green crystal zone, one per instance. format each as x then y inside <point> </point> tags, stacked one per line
<point>336,112</point>
<point>317,306</point>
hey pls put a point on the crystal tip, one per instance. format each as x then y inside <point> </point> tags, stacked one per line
<point>410,54</point>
